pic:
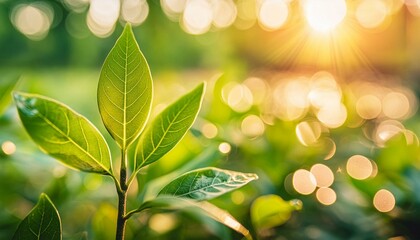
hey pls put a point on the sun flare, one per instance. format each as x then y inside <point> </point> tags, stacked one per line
<point>324,15</point>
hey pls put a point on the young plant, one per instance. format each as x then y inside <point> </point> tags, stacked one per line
<point>125,93</point>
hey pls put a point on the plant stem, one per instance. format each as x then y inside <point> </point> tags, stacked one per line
<point>131,179</point>
<point>122,198</point>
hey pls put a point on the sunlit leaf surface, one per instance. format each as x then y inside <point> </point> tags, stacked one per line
<point>63,133</point>
<point>42,223</point>
<point>125,90</point>
<point>205,158</point>
<point>169,127</point>
<point>207,183</point>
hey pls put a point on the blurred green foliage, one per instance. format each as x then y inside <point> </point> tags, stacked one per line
<point>274,156</point>
<point>60,49</point>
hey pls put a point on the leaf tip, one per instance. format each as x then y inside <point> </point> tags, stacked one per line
<point>127,25</point>
<point>128,29</point>
<point>199,91</point>
<point>25,103</point>
<point>202,87</point>
<point>296,204</point>
<point>16,95</point>
<point>44,197</point>
<point>20,97</point>
<point>253,176</point>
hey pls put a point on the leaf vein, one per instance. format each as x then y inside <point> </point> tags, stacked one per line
<point>70,139</point>
<point>163,135</point>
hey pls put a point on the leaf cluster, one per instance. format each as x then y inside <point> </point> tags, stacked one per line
<point>125,94</point>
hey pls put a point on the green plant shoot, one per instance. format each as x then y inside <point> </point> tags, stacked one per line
<point>125,92</point>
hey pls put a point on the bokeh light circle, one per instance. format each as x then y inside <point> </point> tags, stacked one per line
<point>252,126</point>
<point>396,105</point>
<point>323,175</point>
<point>238,96</point>
<point>8,147</point>
<point>224,13</point>
<point>384,201</point>
<point>371,13</point>
<point>162,222</point>
<point>368,106</point>
<point>308,132</point>
<point>225,147</point>
<point>197,17</point>
<point>134,11</point>
<point>173,6</point>
<point>326,196</point>
<point>324,15</point>
<point>33,20</point>
<point>209,130</point>
<point>102,16</point>
<point>359,167</point>
<point>333,116</point>
<point>273,14</point>
<point>304,182</point>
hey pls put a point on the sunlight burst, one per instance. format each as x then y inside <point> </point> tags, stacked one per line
<point>324,15</point>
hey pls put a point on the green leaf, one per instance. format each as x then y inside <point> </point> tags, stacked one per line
<point>169,127</point>
<point>203,208</point>
<point>208,156</point>
<point>271,211</point>
<point>7,84</point>
<point>125,90</point>
<point>207,183</point>
<point>64,134</point>
<point>42,223</point>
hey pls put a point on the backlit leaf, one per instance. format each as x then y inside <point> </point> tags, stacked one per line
<point>203,208</point>
<point>207,157</point>
<point>64,134</point>
<point>169,127</point>
<point>125,90</point>
<point>207,183</point>
<point>42,223</point>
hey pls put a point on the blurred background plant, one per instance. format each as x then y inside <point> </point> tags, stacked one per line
<point>318,97</point>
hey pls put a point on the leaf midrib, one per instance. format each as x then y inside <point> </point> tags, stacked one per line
<point>155,147</point>
<point>125,96</point>
<point>42,221</point>
<point>212,185</point>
